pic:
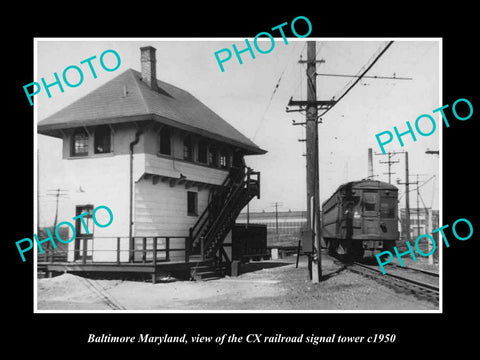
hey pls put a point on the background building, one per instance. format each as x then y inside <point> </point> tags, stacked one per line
<point>419,222</point>
<point>283,227</point>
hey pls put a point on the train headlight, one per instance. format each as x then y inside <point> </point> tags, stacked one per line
<point>356,215</point>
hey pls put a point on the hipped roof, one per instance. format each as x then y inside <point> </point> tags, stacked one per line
<point>127,98</point>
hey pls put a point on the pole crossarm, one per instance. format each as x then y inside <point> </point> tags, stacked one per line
<point>320,61</point>
<point>294,110</point>
<point>294,123</point>
<point>367,76</point>
<point>321,104</point>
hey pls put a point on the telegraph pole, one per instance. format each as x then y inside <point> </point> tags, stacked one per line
<point>276,218</point>
<point>312,159</point>
<point>407,196</point>
<point>276,204</point>
<point>428,224</point>
<point>58,192</point>
<point>418,211</point>
<point>38,189</point>
<point>311,106</point>
<point>389,162</point>
<point>57,195</point>
<point>418,205</point>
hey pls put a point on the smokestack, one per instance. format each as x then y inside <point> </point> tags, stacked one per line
<point>149,62</point>
<point>370,164</point>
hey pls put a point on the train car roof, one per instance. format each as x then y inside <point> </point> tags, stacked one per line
<point>371,184</point>
<point>365,184</point>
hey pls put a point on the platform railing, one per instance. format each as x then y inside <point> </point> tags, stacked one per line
<point>117,249</point>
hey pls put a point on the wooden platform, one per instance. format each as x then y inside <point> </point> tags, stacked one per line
<point>127,267</point>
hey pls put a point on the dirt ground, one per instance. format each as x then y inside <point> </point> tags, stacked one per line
<point>264,285</point>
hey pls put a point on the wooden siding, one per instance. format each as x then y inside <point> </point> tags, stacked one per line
<point>162,210</point>
<point>173,168</point>
<point>145,155</point>
<point>159,209</point>
<point>99,181</point>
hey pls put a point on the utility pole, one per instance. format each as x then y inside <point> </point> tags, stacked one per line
<point>427,219</point>
<point>276,204</point>
<point>276,218</point>
<point>427,230</point>
<point>428,225</point>
<point>38,194</point>
<point>389,162</point>
<point>418,212</point>
<point>407,197</point>
<point>311,106</point>
<point>418,206</point>
<point>430,213</point>
<point>57,194</point>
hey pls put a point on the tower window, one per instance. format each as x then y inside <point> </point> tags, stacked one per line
<point>165,141</point>
<point>192,203</point>
<point>188,148</point>
<point>213,156</point>
<point>79,143</point>
<point>223,159</point>
<point>103,139</point>
<point>202,151</point>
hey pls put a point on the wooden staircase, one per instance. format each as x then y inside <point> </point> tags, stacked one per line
<point>213,225</point>
<point>207,272</point>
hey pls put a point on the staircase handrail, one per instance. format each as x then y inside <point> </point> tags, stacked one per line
<point>196,229</point>
<point>223,212</point>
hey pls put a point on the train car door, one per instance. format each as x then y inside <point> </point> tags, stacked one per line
<point>388,215</point>
<point>370,209</point>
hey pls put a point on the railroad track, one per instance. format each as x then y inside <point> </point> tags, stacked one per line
<point>101,292</point>
<point>418,288</point>
<point>434,274</point>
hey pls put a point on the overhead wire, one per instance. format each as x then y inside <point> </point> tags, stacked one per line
<point>355,82</point>
<point>418,187</point>
<point>272,96</point>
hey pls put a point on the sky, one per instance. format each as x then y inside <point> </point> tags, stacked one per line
<point>247,96</point>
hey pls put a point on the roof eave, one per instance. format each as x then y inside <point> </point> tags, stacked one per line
<point>250,149</point>
<point>55,129</point>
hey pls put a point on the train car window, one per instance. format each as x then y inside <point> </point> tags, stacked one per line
<point>370,201</point>
<point>369,207</point>
<point>352,201</point>
<point>387,208</point>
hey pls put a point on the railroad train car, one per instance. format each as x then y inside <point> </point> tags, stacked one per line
<point>360,219</point>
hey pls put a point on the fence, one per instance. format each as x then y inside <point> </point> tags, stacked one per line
<point>149,249</point>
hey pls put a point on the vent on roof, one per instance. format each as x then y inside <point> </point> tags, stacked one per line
<point>149,62</point>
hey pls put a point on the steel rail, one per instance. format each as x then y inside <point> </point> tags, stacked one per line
<point>431,291</point>
<point>415,269</point>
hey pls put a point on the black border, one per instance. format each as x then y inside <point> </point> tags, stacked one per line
<point>421,333</point>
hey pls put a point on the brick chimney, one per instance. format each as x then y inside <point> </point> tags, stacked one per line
<point>149,62</point>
